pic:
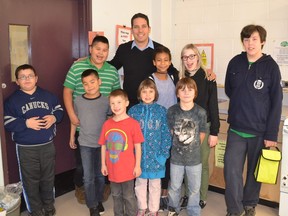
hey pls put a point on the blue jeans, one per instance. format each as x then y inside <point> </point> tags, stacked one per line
<point>93,178</point>
<point>194,181</point>
<point>237,148</point>
<point>205,152</point>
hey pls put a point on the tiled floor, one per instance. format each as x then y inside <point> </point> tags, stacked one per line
<point>67,205</point>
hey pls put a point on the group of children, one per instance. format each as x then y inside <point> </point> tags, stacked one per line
<point>156,136</point>
<point>124,146</point>
<point>137,144</point>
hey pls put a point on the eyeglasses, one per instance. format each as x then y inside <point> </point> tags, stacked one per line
<point>191,57</point>
<point>30,76</point>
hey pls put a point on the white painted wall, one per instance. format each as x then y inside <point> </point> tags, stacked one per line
<point>175,23</point>
<point>107,14</point>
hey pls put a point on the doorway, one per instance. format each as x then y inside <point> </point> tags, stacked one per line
<point>57,35</point>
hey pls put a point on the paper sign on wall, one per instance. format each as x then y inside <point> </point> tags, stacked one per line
<point>123,34</point>
<point>281,53</point>
<point>92,34</point>
<point>207,55</point>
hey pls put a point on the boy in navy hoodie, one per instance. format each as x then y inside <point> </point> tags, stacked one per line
<point>253,87</point>
<point>31,114</point>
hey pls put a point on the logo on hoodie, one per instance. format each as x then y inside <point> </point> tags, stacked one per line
<point>258,84</point>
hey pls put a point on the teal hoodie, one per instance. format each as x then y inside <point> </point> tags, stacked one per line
<point>157,144</point>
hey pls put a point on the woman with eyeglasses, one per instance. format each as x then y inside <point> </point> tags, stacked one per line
<point>192,66</point>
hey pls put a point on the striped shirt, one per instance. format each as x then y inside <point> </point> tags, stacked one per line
<point>108,75</point>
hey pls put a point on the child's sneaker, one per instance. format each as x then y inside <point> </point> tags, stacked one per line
<point>202,204</point>
<point>184,202</point>
<point>250,211</point>
<point>172,212</point>
<point>141,212</point>
<point>101,208</point>
<point>163,203</point>
<point>94,212</point>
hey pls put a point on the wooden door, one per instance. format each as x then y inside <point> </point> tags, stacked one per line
<point>57,36</point>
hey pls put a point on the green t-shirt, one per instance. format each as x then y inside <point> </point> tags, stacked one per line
<point>243,134</point>
<point>250,63</point>
<point>107,73</point>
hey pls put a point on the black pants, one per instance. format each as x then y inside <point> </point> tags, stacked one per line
<point>37,171</point>
<point>166,179</point>
<point>78,174</point>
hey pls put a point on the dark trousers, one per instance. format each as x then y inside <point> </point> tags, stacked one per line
<point>37,171</point>
<point>125,203</point>
<point>165,181</point>
<point>78,174</point>
<point>238,196</point>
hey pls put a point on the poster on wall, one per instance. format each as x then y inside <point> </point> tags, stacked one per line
<point>123,34</point>
<point>219,153</point>
<point>207,54</point>
<point>92,34</point>
<point>281,53</point>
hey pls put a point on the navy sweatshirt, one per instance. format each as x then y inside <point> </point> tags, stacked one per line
<point>21,106</point>
<point>255,96</point>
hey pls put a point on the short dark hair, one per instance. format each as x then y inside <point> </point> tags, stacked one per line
<point>24,67</point>
<point>189,82</point>
<point>139,15</point>
<point>147,83</point>
<point>99,38</point>
<point>88,72</point>
<point>248,30</point>
<point>119,92</point>
<point>162,49</point>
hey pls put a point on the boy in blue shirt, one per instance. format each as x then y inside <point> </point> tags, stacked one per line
<point>31,114</point>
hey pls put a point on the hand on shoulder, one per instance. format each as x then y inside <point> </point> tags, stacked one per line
<point>211,76</point>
